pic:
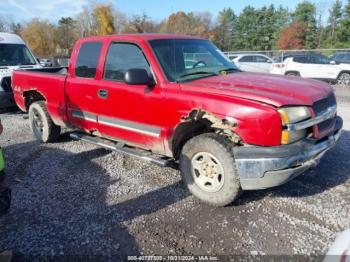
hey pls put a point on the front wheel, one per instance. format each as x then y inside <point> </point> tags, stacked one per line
<point>208,169</point>
<point>41,123</point>
<point>344,79</point>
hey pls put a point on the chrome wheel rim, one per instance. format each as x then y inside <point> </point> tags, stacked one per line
<point>207,172</point>
<point>38,121</point>
<point>344,79</point>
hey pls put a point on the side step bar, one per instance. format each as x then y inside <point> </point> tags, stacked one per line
<point>122,148</point>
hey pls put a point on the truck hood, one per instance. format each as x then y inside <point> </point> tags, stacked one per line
<point>267,88</point>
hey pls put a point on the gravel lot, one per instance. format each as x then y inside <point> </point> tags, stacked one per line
<point>76,199</point>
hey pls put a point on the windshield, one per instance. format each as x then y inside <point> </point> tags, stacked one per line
<point>190,59</point>
<point>15,54</point>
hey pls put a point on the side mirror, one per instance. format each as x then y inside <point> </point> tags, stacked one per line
<point>333,62</point>
<point>138,76</point>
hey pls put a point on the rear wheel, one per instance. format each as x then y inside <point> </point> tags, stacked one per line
<point>344,79</point>
<point>208,169</point>
<point>41,123</point>
<point>296,74</point>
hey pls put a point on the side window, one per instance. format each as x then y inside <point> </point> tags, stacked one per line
<point>120,58</point>
<point>87,60</point>
<point>248,58</point>
<point>301,59</point>
<point>261,59</point>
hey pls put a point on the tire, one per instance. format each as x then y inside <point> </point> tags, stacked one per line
<point>293,74</point>
<point>344,79</point>
<point>208,169</point>
<point>41,123</point>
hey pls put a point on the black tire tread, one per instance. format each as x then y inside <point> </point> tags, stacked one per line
<point>54,130</point>
<point>226,146</point>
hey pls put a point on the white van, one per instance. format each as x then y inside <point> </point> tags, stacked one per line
<point>14,54</point>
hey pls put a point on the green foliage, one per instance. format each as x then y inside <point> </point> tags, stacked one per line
<point>305,12</point>
<point>344,27</point>
<point>258,29</point>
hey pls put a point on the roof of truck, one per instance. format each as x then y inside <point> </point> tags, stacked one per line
<point>10,39</point>
<point>141,37</point>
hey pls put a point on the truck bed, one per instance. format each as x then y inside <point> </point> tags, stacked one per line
<point>50,70</point>
<point>49,82</point>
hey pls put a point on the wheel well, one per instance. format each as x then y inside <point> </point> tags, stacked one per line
<point>31,97</point>
<point>199,122</point>
<point>294,72</point>
<point>341,72</point>
<point>184,132</point>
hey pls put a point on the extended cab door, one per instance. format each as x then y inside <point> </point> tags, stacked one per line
<point>81,89</point>
<point>133,113</point>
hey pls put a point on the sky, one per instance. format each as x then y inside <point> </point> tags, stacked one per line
<point>24,10</point>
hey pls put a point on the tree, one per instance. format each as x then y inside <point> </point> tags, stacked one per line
<point>344,27</point>
<point>4,26</point>
<point>305,12</point>
<point>140,24</point>
<point>335,14</point>
<point>293,37</point>
<point>258,29</point>
<point>190,24</point>
<point>16,28</point>
<point>66,34</point>
<point>39,35</point>
<point>85,22</point>
<point>103,20</point>
<point>222,35</point>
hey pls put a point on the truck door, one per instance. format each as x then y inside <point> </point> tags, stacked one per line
<point>81,89</point>
<point>129,112</point>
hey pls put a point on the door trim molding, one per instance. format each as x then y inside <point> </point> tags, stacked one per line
<point>136,127</point>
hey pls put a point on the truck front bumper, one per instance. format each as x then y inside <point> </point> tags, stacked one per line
<point>265,167</point>
<point>6,100</point>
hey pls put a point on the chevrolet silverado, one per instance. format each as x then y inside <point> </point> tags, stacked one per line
<point>226,130</point>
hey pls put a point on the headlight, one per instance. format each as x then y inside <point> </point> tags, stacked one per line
<point>291,115</point>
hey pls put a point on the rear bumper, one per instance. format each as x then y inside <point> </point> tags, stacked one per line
<point>6,100</point>
<point>265,167</point>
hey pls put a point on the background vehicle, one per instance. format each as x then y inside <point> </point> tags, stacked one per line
<point>45,62</point>
<point>315,66</point>
<point>228,130</point>
<point>14,54</point>
<point>341,57</point>
<point>252,62</point>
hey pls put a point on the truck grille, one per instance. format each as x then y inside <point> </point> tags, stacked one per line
<point>6,84</point>
<point>320,107</point>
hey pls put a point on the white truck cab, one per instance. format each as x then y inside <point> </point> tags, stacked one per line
<point>14,54</point>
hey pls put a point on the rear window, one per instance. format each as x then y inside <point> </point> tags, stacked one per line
<point>87,60</point>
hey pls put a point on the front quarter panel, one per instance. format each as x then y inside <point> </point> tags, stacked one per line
<point>258,123</point>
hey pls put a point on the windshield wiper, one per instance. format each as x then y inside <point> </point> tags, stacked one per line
<point>199,73</point>
<point>229,69</point>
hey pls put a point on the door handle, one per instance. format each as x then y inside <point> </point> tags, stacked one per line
<point>102,93</point>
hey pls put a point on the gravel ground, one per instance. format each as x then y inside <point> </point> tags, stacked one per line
<point>71,198</point>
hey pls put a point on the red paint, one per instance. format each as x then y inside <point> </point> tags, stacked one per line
<point>252,99</point>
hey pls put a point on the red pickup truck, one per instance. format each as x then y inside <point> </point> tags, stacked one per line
<point>177,99</point>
